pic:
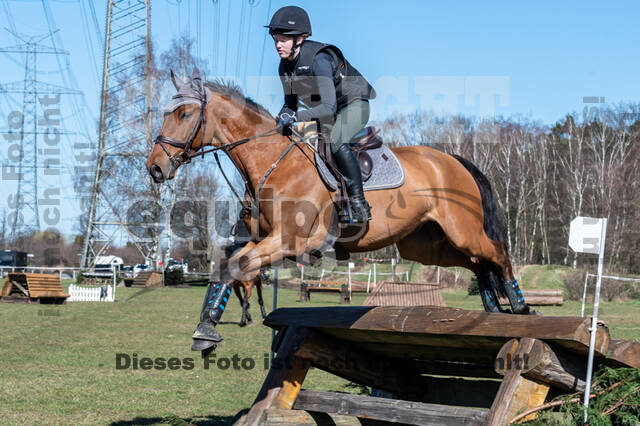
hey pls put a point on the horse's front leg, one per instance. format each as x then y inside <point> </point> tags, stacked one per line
<point>244,265</point>
<point>206,338</point>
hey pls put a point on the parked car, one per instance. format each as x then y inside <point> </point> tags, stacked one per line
<point>173,264</point>
<point>139,268</point>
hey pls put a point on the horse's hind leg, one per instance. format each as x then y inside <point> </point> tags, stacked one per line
<point>236,289</point>
<point>260,299</point>
<point>509,284</point>
<point>429,246</point>
<point>479,245</point>
<point>247,296</point>
<point>487,288</point>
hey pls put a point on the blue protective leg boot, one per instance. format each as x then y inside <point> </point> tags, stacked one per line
<point>206,338</point>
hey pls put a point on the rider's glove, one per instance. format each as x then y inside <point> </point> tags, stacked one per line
<point>286,117</point>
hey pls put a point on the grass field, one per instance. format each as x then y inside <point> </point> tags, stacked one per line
<point>58,363</point>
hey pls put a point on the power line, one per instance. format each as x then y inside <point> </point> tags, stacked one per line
<point>264,43</point>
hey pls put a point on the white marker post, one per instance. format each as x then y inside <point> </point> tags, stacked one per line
<point>587,235</point>
<point>351,266</point>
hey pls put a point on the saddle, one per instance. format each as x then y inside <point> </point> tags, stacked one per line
<point>364,140</point>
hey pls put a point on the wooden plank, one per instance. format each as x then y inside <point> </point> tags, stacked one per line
<point>274,416</point>
<point>388,410</point>
<point>516,392</point>
<point>457,324</point>
<point>22,289</point>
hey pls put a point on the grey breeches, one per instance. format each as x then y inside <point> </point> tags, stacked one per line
<point>349,121</point>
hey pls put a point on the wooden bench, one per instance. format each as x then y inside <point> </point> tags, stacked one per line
<point>441,365</point>
<point>29,287</point>
<point>307,287</point>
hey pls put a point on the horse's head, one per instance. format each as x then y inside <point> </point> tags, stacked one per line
<point>183,129</point>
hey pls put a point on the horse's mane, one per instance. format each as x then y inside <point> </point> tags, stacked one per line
<point>229,88</point>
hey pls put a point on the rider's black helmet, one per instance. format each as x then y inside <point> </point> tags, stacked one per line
<point>290,20</point>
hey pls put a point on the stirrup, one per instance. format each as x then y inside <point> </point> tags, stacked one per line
<point>347,216</point>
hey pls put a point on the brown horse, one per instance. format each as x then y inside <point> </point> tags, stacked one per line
<point>444,213</point>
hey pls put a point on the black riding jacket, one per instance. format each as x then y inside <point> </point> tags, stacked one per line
<point>322,81</point>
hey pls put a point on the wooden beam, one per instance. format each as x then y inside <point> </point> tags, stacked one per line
<point>516,392</point>
<point>423,322</point>
<point>552,366</point>
<point>284,379</point>
<point>388,410</point>
<point>274,416</point>
<point>347,361</point>
<point>22,289</point>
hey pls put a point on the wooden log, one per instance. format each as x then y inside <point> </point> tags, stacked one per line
<point>458,327</point>
<point>284,379</point>
<point>626,352</point>
<point>516,392</point>
<point>388,410</point>
<point>552,366</point>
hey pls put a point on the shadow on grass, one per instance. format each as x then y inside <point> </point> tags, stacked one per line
<point>177,421</point>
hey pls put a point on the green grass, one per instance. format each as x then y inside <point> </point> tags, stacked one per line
<point>544,276</point>
<point>58,363</point>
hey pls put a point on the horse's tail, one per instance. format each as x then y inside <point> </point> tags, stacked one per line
<point>492,224</point>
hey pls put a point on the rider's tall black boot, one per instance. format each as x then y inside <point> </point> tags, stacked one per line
<point>348,165</point>
<point>206,338</point>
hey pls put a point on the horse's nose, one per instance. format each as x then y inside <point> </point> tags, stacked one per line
<point>156,173</point>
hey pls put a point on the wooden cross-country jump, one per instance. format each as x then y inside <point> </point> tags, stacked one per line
<point>437,362</point>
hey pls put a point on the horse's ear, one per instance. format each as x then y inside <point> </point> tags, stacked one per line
<point>176,80</point>
<point>196,78</point>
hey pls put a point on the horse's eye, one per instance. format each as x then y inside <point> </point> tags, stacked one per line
<point>184,115</point>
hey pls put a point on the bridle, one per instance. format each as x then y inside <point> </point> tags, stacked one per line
<point>185,156</point>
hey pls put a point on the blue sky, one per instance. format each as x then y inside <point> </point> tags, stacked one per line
<point>536,60</point>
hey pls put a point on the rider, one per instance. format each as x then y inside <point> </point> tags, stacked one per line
<point>317,76</point>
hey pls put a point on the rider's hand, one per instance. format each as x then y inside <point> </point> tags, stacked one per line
<point>285,118</point>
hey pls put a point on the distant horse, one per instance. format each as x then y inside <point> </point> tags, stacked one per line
<point>244,300</point>
<point>246,286</point>
<point>443,214</point>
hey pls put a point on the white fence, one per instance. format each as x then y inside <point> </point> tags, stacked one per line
<point>85,294</point>
<point>586,284</point>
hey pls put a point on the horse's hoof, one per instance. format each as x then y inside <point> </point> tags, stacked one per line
<point>202,345</point>
<point>205,353</point>
<point>243,324</point>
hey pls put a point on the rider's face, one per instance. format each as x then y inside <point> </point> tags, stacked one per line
<point>284,44</point>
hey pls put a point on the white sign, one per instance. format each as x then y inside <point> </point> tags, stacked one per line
<point>585,234</point>
<point>352,265</point>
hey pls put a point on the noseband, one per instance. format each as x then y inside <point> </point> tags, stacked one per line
<point>184,156</point>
